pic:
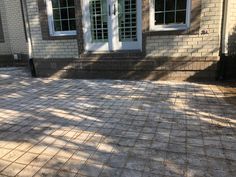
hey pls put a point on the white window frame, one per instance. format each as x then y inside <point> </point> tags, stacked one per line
<point>171,27</point>
<point>51,23</point>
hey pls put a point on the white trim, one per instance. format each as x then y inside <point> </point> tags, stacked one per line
<point>51,23</point>
<point>127,45</point>
<point>89,46</point>
<point>171,27</point>
<point>225,36</point>
<point>113,43</point>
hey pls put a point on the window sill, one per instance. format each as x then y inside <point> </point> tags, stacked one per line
<point>58,34</point>
<point>184,31</point>
<point>174,27</point>
<point>68,37</point>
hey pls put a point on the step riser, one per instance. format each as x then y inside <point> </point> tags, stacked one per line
<point>127,68</point>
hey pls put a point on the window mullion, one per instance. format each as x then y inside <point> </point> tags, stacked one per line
<point>68,18</point>
<point>59,7</point>
<point>175,10</point>
<point>164,11</point>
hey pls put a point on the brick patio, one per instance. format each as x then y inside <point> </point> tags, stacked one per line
<point>105,128</point>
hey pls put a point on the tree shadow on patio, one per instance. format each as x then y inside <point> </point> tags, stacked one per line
<point>106,128</point>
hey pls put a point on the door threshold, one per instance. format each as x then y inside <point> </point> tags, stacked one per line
<point>113,52</point>
<point>113,55</point>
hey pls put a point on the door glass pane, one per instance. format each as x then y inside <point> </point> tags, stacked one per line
<point>98,18</point>
<point>127,20</point>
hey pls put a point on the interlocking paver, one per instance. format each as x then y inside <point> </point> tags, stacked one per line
<point>52,127</point>
<point>12,169</point>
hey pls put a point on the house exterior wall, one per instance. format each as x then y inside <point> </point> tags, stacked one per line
<point>176,55</point>
<point>15,27</point>
<point>198,45</point>
<point>60,49</point>
<point>5,48</point>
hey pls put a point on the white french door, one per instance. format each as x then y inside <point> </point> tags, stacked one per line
<point>112,25</point>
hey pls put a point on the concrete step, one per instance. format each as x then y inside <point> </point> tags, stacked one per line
<point>112,55</point>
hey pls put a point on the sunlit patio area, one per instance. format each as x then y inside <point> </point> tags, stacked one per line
<point>110,128</point>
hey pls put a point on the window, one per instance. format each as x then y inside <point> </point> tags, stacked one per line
<point>169,14</point>
<point>61,17</point>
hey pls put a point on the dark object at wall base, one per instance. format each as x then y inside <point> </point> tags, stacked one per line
<point>227,68</point>
<point>32,68</point>
<point>220,76</point>
<point>8,61</point>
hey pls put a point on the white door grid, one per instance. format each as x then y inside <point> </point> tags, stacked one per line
<point>112,25</point>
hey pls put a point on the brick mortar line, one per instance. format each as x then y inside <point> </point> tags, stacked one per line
<point>41,167</point>
<point>23,154</point>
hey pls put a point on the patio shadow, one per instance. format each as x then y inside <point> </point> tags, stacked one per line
<point>112,128</point>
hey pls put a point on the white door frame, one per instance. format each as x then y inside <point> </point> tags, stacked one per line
<point>88,44</point>
<point>113,43</point>
<point>134,45</point>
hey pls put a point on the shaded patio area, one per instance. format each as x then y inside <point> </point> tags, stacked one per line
<point>109,128</point>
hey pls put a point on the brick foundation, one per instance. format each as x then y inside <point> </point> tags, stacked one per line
<point>8,60</point>
<point>100,67</point>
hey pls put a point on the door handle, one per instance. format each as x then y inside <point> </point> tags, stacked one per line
<point>114,9</point>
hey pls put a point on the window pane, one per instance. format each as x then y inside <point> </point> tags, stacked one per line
<point>55,4</point>
<point>56,14</point>
<point>170,18</point>
<point>159,5</point>
<point>99,34</point>
<point>71,2</point>
<point>63,3</point>
<point>127,20</point>
<point>159,18</point>
<point>170,4</point>
<point>65,25</point>
<point>71,12</point>
<point>98,17</point>
<point>72,25</point>
<point>181,17</point>
<point>170,12</point>
<point>64,14</point>
<point>181,4</point>
<point>57,25</point>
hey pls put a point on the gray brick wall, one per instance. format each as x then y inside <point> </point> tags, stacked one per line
<point>48,48</point>
<point>14,24</point>
<point>4,46</point>
<point>198,45</point>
